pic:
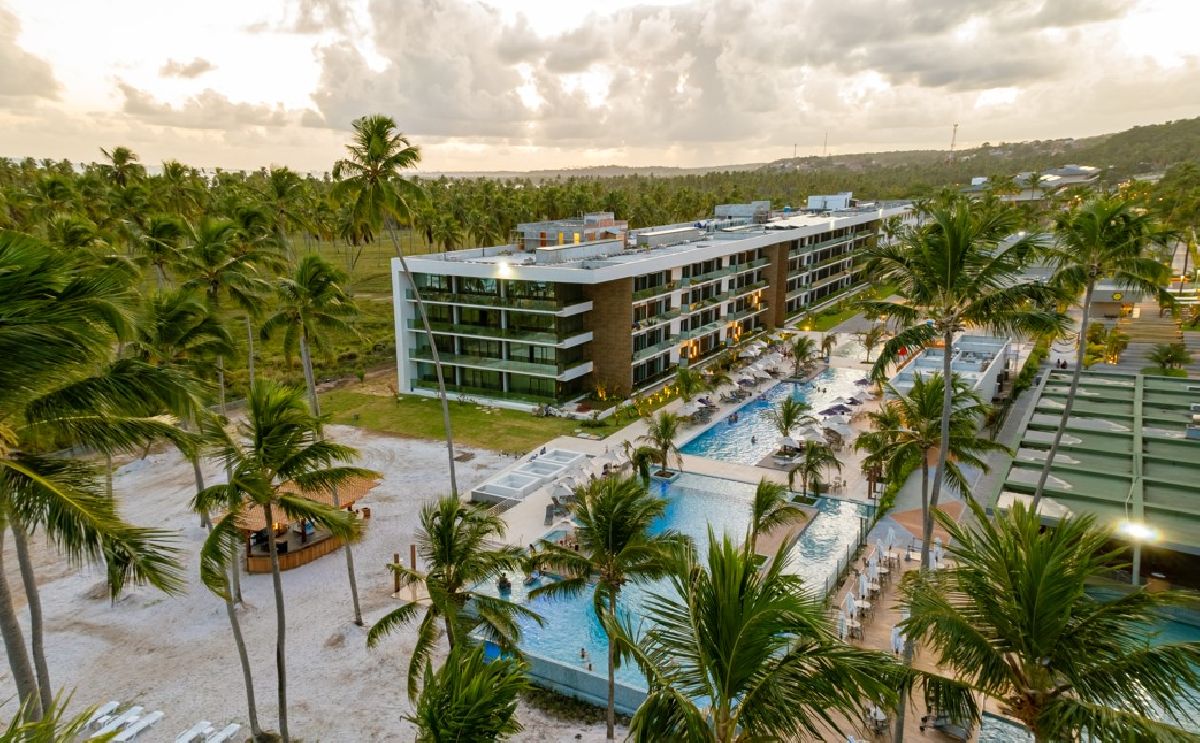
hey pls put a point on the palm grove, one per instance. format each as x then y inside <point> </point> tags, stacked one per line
<point>132,306</point>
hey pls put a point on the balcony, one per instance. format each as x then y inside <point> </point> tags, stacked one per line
<point>703,330</point>
<point>508,334</point>
<point>506,303</point>
<point>654,350</point>
<point>654,291</point>
<point>743,314</point>
<point>748,289</point>
<point>720,273</point>
<point>653,320</point>
<point>817,284</point>
<point>744,267</point>
<point>553,371</point>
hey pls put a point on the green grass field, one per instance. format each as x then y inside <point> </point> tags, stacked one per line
<point>416,417</point>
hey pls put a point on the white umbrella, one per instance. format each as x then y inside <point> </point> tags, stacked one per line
<point>897,639</point>
<point>848,604</point>
<point>749,353</point>
<point>846,432</point>
<point>561,490</point>
<point>788,441</point>
<point>841,625</point>
<point>834,420</point>
<point>873,571</point>
<point>759,374</point>
<point>862,585</point>
<point>760,343</point>
<point>873,560</point>
<point>937,552</point>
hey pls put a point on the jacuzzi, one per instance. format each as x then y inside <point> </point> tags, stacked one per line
<point>561,456</point>
<point>541,468</point>
<point>511,486</point>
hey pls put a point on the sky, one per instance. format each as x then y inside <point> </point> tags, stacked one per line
<point>529,84</point>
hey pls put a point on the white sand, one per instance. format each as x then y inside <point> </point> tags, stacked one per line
<point>174,653</point>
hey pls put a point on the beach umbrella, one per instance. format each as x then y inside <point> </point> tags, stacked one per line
<point>862,382</point>
<point>873,559</point>
<point>862,585</point>
<point>842,625</point>
<point>561,490</point>
<point>788,442</point>
<point>897,639</point>
<point>745,381</point>
<point>828,411</point>
<point>759,374</point>
<point>835,420</point>
<point>760,343</point>
<point>846,432</point>
<point>749,353</point>
<point>848,604</point>
<point>873,571</point>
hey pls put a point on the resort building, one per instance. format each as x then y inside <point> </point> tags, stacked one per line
<point>1030,186</point>
<point>574,306</point>
<point>982,361</point>
<point>1130,455</point>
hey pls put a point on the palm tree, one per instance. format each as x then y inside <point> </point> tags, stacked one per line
<point>1016,621</point>
<point>159,245</point>
<point>370,182</point>
<point>278,445</point>
<point>741,651</point>
<point>470,698</point>
<point>788,414</point>
<point>661,431</point>
<point>1169,356</point>
<point>640,458</point>
<point>311,302</point>
<point>613,519</point>
<point>953,271</point>
<point>828,343</point>
<point>122,166</point>
<point>871,338</point>
<point>1104,238</point>
<point>816,459</point>
<point>689,382</point>
<point>460,546</point>
<point>804,353</point>
<point>57,322</point>
<point>770,510</point>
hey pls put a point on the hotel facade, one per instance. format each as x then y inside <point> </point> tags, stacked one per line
<point>570,307</point>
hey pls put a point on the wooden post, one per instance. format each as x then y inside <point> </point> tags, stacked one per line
<point>412,556</point>
<point>396,576</point>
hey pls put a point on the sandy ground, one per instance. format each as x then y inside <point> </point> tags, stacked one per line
<point>174,653</point>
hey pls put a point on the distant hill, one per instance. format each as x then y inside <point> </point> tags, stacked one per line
<point>595,171</point>
<point>1138,150</point>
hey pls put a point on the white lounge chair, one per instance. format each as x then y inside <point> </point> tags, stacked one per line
<point>102,713</point>
<point>140,726</point>
<point>226,734</point>
<point>128,717</point>
<point>199,730</point>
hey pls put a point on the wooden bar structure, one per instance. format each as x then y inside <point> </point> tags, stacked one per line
<point>317,547</point>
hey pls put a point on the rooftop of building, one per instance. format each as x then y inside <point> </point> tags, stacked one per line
<point>1130,453</point>
<point>755,226</point>
<point>971,358</point>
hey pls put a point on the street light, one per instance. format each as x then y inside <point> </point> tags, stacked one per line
<point>1139,533</point>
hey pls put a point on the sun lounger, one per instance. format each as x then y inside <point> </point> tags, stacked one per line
<point>137,728</point>
<point>197,731</point>
<point>226,734</point>
<point>128,717</point>
<point>549,514</point>
<point>102,713</point>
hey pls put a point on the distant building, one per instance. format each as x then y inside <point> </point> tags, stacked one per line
<point>982,361</point>
<point>1032,186</point>
<point>570,306</point>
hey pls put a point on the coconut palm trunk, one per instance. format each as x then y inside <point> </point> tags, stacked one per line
<point>437,362</point>
<point>236,570</point>
<point>250,350</point>
<point>1070,401</point>
<point>280,622</point>
<point>943,449</point>
<point>315,405</point>
<point>610,714</point>
<point>14,647</point>
<point>243,659</point>
<point>36,626</point>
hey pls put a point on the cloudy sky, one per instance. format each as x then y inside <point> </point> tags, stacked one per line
<point>524,84</point>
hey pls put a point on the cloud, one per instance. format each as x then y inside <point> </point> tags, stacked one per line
<point>22,75</point>
<point>186,70</point>
<point>208,109</point>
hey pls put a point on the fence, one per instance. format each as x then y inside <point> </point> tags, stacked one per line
<point>847,558</point>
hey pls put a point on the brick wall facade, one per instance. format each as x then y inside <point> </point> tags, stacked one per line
<point>612,335</point>
<point>776,292</point>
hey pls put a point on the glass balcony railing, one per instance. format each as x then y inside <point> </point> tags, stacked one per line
<point>659,319</point>
<point>817,283</point>
<point>490,300</point>
<point>743,267</point>
<point>657,348</point>
<point>510,365</point>
<point>491,332</point>
<point>702,330</point>
<point>654,291</point>
<point>720,273</point>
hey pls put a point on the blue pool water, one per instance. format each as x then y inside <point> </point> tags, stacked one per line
<point>693,503</point>
<point>753,436</point>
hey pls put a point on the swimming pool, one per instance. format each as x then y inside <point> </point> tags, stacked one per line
<point>693,502</point>
<point>753,436</point>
